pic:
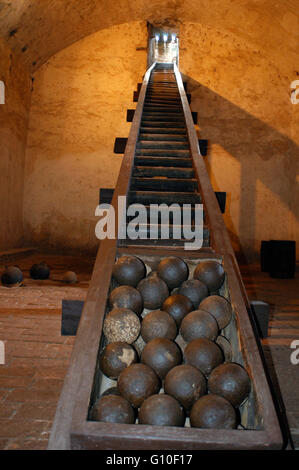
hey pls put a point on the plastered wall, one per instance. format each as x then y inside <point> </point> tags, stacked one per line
<point>13,132</point>
<point>79,106</point>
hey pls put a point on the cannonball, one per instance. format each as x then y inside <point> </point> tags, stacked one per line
<point>219,307</point>
<point>173,271</point>
<point>129,270</point>
<point>113,409</point>
<point>137,382</point>
<point>186,384</point>
<point>203,354</point>
<point>158,324</point>
<point>177,306</point>
<point>231,381</point>
<point>154,291</point>
<point>195,290</point>
<point>40,271</point>
<point>12,276</point>
<point>121,324</point>
<point>213,412</point>
<point>161,355</point>
<point>126,297</point>
<point>116,357</point>
<point>161,410</point>
<point>225,346</point>
<point>211,273</point>
<point>199,324</point>
<point>70,277</point>
<point>111,391</point>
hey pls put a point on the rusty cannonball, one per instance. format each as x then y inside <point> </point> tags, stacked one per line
<point>116,357</point>
<point>199,324</point>
<point>12,276</point>
<point>161,410</point>
<point>129,270</point>
<point>231,381</point>
<point>219,307</point>
<point>213,412</point>
<point>137,382</point>
<point>126,297</point>
<point>40,271</point>
<point>158,324</point>
<point>173,271</point>
<point>186,384</point>
<point>153,290</point>
<point>121,324</point>
<point>225,345</point>
<point>70,277</point>
<point>113,409</point>
<point>111,391</point>
<point>195,290</point>
<point>203,354</point>
<point>211,273</point>
<point>161,355</point>
<point>178,306</point>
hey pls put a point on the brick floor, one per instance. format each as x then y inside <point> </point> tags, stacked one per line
<point>37,356</point>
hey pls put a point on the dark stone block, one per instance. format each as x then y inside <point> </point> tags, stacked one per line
<point>278,258</point>
<point>106,195</point>
<point>203,147</point>
<point>71,314</point>
<point>194,115</point>
<point>221,198</point>
<point>120,145</point>
<point>130,115</point>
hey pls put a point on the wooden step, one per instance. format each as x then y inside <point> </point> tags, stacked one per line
<point>163,118</point>
<point>161,124</point>
<point>145,230</point>
<point>167,197</point>
<point>187,185</point>
<point>170,172</point>
<point>162,144</point>
<point>163,152</point>
<point>163,130</point>
<point>163,136</point>
<point>163,161</point>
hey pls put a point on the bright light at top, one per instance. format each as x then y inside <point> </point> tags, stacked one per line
<point>173,37</point>
<point>165,36</point>
<point>157,36</point>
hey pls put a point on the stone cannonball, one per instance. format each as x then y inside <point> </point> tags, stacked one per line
<point>116,357</point>
<point>121,324</point>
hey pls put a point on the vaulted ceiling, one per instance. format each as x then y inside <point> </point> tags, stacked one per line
<point>37,29</point>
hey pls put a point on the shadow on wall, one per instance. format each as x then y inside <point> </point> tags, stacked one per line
<point>265,155</point>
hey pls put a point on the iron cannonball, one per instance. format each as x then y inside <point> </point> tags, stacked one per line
<point>110,391</point>
<point>203,354</point>
<point>153,290</point>
<point>219,307</point>
<point>186,384</point>
<point>161,355</point>
<point>231,381</point>
<point>121,324</point>
<point>178,306</point>
<point>199,324</point>
<point>173,271</point>
<point>211,273</point>
<point>161,410</point>
<point>126,297</point>
<point>213,412</point>
<point>40,271</point>
<point>225,346</point>
<point>195,290</point>
<point>116,357</point>
<point>113,409</point>
<point>137,382</point>
<point>129,270</point>
<point>158,324</point>
<point>70,277</point>
<point>12,276</point>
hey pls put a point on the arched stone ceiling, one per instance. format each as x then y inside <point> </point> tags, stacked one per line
<point>37,29</point>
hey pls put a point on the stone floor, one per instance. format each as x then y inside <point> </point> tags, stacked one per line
<point>37,356</point>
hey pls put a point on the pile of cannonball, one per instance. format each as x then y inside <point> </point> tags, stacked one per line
<point>165,350</point>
